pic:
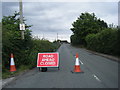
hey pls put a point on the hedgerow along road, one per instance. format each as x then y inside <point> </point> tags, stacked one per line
<point>99,72</point>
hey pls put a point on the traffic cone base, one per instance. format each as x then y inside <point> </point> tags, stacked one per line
<point>12,68</point>
<point>77,68</point>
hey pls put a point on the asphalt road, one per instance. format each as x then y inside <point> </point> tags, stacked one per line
<point>99,72</point>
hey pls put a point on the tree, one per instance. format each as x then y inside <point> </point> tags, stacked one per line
<point>12,42</point>
<point>86,24</point>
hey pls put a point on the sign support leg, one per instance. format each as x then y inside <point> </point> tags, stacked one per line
<point>39,68</point>
<point>58,68</point>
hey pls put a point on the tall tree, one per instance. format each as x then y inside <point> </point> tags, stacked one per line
<point>12,42</point>
<point>86,24</point>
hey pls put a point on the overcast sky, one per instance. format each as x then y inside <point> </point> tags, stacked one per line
<point>50,18</point>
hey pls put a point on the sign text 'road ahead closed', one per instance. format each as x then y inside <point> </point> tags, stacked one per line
<point>48,60</point>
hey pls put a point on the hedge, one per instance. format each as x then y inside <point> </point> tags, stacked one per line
<point>105,41</point>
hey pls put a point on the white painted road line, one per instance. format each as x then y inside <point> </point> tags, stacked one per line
<point>81,62</point>
<point>96,78</point>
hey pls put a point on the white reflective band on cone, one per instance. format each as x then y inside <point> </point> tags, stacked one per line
<point>77,61</point>
<point>12,62</point>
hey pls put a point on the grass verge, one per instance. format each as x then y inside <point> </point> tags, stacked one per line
<point>8,74</point>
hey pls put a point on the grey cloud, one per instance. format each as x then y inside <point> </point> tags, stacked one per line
<point>8,8</point>
<point>56,17</point>
<point>0,11</point>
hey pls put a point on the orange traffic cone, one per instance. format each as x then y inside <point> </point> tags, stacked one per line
<point>12,64</point>
<point>77,65</point>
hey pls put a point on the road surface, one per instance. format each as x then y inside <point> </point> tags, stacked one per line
<point>99,72</point>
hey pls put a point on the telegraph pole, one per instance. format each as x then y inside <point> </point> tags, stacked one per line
<point>57,36</point>
<point>119,15</point>
<point>43,36</point>
<point>21,19</point>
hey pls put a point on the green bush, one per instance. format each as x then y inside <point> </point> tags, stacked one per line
<point>75,40</point>
<point>90,41</point>
<point>105,41</point>
<point>38,47</point>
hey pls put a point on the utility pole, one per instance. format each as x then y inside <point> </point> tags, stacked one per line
<point>57,36</point>
<point>43,37</point>
<point>22,25</point>
<point>119,15</point>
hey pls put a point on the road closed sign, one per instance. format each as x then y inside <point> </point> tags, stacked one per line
<point>48,60</point>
